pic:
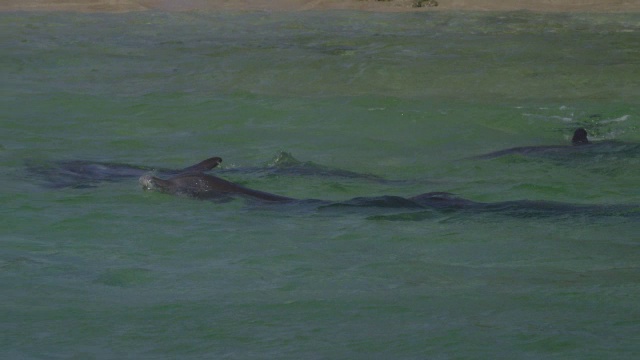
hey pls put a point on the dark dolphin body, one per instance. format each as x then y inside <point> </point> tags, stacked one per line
<point>443,202</point>
<point>81,174</point>
<point>581,146</point>
<point>203,186</point>
<point>285,164</point>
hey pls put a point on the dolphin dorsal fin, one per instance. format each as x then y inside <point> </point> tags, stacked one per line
<point>580,137</point>
<point>203,166</point>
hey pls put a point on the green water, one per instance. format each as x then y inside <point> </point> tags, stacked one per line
<point>114,272</point>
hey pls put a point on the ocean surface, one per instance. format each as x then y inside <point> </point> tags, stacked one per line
<point>94,269</point>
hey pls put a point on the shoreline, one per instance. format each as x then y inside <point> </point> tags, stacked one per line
<point>614,6</point>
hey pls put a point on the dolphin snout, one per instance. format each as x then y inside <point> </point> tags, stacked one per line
<point>147,182</point>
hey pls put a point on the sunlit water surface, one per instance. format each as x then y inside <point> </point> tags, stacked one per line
<point>111,271</point>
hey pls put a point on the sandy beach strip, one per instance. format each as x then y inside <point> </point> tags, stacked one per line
<point>301,5</point>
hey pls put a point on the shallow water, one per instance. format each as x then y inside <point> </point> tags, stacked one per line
<point>111,271</point>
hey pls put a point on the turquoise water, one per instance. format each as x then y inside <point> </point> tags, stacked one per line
<point>111,271</point>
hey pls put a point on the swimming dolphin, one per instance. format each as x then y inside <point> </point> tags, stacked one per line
<point>579,139</point>
<point>79,174</point>
<point>204,186</point>
<point>581,150</point>
<point>284,163</point>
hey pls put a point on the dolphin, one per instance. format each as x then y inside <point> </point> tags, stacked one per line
<point>80,174</point>
<point>209,187</point>
<point>579,139</point>
<point>284,163</point>
<point>203,186</point>
<point>447,202</point>
<point>580,150</point>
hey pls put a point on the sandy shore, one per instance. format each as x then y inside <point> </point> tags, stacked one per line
<point>301,5</point>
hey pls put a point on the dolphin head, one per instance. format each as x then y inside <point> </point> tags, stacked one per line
<point>152,183</point>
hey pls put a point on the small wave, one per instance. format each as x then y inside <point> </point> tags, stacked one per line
<point>283,159</point>
<point>552,117</point>
<point>619,119</point>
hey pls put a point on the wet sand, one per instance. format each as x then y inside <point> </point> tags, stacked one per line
<point>301,5</point>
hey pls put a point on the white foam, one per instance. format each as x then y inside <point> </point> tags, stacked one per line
<point>620,119</point>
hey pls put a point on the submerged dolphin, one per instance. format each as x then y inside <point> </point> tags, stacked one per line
<point>79,173</point>
<point>203,186</point>
<point>579,139</point>
<point>284,163</point>
<point>581,148</point>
